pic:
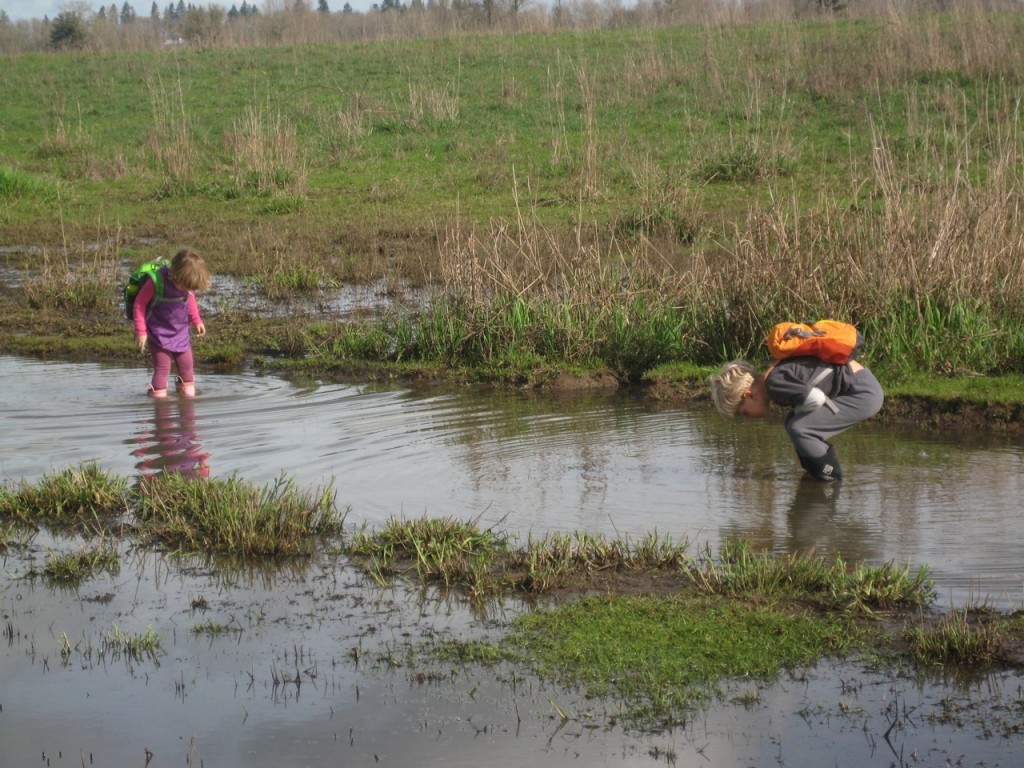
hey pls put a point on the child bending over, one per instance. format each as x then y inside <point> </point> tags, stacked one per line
<point>824,400</point>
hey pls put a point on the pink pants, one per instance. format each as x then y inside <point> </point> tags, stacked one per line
<point>162,366</point>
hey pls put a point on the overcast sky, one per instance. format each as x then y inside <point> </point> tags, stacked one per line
<point>19,10</point>
<point>31,9</point>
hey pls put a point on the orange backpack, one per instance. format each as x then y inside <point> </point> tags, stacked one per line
<point>832,341</point>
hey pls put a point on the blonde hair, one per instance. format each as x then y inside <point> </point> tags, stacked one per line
<point>733,380</point>
<point>188,271</point>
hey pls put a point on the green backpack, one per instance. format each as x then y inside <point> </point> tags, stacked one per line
<point>150,269</point>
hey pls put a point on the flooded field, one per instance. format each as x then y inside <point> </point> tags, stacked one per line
<point>310,664</point>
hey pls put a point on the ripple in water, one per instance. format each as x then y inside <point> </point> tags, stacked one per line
<point>532,465</point>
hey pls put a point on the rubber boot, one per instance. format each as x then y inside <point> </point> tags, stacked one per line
<point>187,388</point>
<point>156,394</point>
<point>824,467</point>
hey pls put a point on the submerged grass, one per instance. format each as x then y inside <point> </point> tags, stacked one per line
<point>132,646</point>
<point>663,656</point>
<point>641,622</point>
<point>72,568</point>
<point>213,629</point>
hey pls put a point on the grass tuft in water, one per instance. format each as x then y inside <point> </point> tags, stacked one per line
<point>459,554</point>
<point>957,640</point>
<point>132,646</point>
<point>443,550</point>
<point>547,563</point>
<point>235,516</point>
<point>72,568</point>
<point>213,629</point>
<point>72,498</point>
<point>11,535</point>
<point>290,280</point>
<point>740,571</point>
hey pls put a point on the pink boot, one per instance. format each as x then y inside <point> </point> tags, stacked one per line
<point>187,388</point>
<point>156,394</point>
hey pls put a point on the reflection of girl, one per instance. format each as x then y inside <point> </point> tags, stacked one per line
<point>171,445</point>
<point>162,322</point>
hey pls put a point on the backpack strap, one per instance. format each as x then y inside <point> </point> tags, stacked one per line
<point>158,287</point>
<point>818,379</point>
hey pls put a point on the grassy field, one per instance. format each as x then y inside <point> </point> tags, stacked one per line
<point>615,198</point>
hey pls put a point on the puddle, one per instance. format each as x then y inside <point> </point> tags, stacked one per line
<point>306,666</point>
<point>228,293</point>
<point>528,464</point>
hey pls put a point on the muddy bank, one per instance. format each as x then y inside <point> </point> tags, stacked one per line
<point>931,413</point>
<point>279,344</point>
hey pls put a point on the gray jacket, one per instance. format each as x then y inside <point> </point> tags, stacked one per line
<point>789,381</point>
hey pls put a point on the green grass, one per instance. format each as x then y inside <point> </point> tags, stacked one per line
<point>447,551</point>
<point>76,497</point>
<point>234,516</point>
<point>956,639</point>
<point>671,631</point>
<point>663,656</point>
<point>740,571</point>
<point>213,629</point>
<point>666,654</point>
<point>300,280</point>
<point>616,198</point>
<point>131,646</point>
<point>229,516</point>
<point>19,185</point>
<point>72,568</point>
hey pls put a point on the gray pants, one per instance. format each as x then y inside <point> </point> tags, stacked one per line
<point>811,431</point>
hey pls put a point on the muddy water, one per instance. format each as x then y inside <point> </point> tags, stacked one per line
<point>301,669</point>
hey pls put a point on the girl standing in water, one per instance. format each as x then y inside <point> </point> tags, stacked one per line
<point>162,320</point>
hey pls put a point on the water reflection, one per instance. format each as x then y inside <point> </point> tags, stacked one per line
<point>169,442</point>
<point>530,464</point>
<point>816,522</point>
<point>238,636</point>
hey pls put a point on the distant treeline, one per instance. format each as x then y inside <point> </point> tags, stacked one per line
<point>80,26</point>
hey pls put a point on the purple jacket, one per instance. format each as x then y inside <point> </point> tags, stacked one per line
<point>166,322</point>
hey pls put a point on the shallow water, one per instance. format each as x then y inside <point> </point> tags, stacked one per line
<point>530,464</point>
<point>522,463</point>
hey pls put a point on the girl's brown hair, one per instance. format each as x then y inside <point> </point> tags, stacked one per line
<point>188,271</point>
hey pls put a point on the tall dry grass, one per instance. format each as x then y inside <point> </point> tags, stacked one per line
<point>266,157</point>
<point>922,247</point>
<point>923,251</point>
<point>171,143</point>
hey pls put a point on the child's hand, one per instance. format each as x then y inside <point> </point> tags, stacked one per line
<point>200,330</point>
<point>814,400</point>
<point>140,340</point>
